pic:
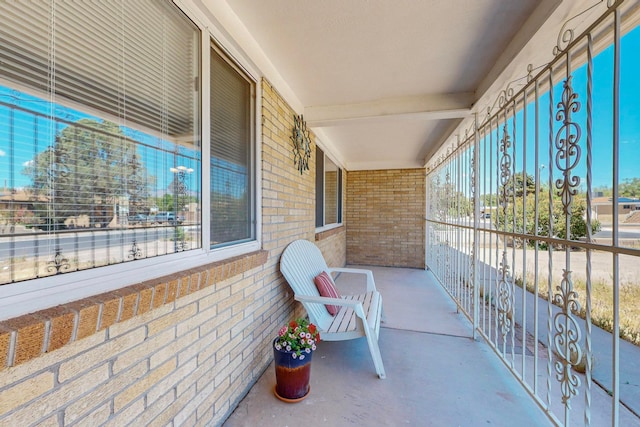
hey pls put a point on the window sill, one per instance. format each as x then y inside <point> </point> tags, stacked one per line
<point>328,231</point>
<point>26,337</point>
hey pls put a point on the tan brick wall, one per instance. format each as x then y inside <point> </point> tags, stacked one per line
<point>182,349</point>
<point>332,244</point>
<point>385,218</point>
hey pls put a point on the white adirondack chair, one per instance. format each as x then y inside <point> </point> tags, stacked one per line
<point>358,316</point>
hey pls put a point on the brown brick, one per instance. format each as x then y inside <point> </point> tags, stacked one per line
<point>183,287</point>
<point>5,343</point>
<point>159,293</point>
<point>129,302</point>
<point>172,290</point>
<point>194,282</point>
<point>145,299</point>
<point>87,312</point>
<point>110,308</point>
<point>61,321</point>
<point>211,277</point>
<point>30,331</point>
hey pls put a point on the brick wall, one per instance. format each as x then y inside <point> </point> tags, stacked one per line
<point>182,349</point>
<point>385,218</point>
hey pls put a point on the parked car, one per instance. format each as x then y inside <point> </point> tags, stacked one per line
<point>167,217</point>
<point>138,219</point>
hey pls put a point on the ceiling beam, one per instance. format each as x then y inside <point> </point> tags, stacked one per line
<point>425,107</point>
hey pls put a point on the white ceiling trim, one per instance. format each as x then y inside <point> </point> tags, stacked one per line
<point>425,107</point>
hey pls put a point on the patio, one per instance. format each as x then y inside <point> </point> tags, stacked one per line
<point>436,373</point>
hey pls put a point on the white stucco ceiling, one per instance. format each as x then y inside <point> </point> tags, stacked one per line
<point>384,82</point>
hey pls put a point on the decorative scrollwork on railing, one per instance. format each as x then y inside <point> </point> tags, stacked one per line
<point>447,263</point>
<point>472,276</point>
<point>505,170</point>
<point>566,142</point>
<point>447,187</point>
<point>59,264</point>
<point>182,244</point>
<point>504,296</point>
<point>566,34</point>
<point>135,252</point>
<point>566,339</point>
<point>472,180</point>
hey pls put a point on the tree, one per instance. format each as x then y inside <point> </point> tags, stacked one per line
<point>517,184</point>
<point>90,167</point>
<point>577,222</point>
<point>630,188</point>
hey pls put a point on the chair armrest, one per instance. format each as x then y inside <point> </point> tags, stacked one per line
<point>327,300</point>
<point>353,304</point>
<point>371,284</point>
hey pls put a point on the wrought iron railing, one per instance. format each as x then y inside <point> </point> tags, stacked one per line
<point>526,226</point>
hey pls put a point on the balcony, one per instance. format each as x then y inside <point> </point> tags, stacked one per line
<point>479,148</point>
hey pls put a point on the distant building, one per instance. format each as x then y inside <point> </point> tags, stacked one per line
<point>604,206</point>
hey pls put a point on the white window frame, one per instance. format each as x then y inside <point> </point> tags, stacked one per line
<point>32,295</point>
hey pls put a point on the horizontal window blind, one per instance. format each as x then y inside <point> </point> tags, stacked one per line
<point>231,162</point>
<point>111,56</point>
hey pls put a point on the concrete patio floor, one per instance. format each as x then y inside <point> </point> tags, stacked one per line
<point>437,375</point>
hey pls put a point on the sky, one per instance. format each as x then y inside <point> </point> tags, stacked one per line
<point>602,120</point>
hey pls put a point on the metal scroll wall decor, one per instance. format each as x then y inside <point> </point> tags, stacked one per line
<point>301,144</point>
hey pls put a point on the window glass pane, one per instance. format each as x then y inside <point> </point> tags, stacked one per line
<point>231,154</point>
<point>99,112</point>
<point>319,187</point>
<point>331,192</point>
<point>328,190</point>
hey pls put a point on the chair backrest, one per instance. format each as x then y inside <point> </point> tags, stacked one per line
<point>302,261</point>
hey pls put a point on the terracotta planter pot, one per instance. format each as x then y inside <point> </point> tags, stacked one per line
<point>292,375</point>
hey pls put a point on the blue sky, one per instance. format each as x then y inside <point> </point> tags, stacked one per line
<point>602,128</point>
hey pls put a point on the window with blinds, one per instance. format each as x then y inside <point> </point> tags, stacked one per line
<point>232,165</point>
<point>328,190</point>
<point>100,158</point>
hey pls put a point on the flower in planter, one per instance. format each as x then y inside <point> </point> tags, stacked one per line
<point>298,337</point>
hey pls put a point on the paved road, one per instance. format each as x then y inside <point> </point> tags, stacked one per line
<point>625,232</point>
<point>25,246</point>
